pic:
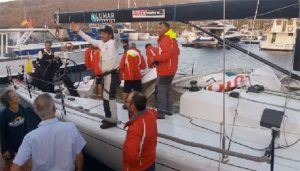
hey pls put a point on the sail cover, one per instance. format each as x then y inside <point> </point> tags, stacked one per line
<point>204,10</point>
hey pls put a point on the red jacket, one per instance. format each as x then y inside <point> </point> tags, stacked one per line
<point>92,60</point>
<point>168,54</point>
<point>131,64</point>
<point>151,52</point>
<point>139,148</point>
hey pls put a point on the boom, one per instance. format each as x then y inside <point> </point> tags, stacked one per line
<point>206,10</point>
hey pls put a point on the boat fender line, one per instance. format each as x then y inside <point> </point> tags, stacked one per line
<point>216,149</point>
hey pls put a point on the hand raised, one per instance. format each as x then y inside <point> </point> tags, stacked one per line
<point>113,26</point>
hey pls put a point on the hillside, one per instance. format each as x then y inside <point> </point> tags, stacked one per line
<point>41,11</point>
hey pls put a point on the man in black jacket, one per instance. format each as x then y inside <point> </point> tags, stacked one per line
<point>46,67</point>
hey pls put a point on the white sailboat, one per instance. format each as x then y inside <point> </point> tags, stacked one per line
<point>200,117</point>
<point>213,130</point>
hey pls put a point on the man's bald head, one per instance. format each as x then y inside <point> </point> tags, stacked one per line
<point>44,106</point>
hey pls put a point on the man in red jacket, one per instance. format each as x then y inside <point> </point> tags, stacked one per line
<point>131,64</point>
<point>166,61</point>
<point>151,52</point>
<point>139,148</point>
<point>92,60</point>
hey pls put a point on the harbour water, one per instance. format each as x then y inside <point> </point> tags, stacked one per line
<point>208,60</point>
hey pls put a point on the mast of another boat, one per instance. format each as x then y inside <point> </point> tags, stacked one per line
<point>118,4</point>
<point>223,135</point>
<point>135,6</point>
<point>147,21</point>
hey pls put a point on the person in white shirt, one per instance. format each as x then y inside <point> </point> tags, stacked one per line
<point>109,63</point>
<point>54,145</point>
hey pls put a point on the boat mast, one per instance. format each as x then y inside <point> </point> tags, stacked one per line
<point>135,6</point>
<point>118,4</point>
<point>223,138</point>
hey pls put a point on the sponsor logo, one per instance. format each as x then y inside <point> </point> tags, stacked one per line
<point>103,17</point>
<point>156,13</point>
<point>17,122</point>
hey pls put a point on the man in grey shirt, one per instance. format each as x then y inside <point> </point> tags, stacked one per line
<point>54,145</point>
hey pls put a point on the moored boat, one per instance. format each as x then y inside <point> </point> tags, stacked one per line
<point>281,36</point>
<point>143,36</point>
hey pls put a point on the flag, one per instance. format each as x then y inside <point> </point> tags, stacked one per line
<point>28,66</point>
<point>30,23</point>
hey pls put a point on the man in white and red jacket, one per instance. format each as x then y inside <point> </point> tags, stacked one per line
<point>166,62</point>
<point>132,62</point>
<point>139,148</point>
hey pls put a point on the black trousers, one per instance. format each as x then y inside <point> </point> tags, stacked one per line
<point>111,82</point>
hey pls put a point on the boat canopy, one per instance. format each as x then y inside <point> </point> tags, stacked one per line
<point>205,10</point>
<point>27,36</point>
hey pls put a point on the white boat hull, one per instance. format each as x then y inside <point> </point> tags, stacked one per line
<point>153,37</point>
<point>198,110</point>
<point>276,46</point>
<point>133,36</point>
<point>143,36</point>
<point>106,145</point>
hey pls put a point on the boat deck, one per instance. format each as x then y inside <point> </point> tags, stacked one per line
<point>87,114</point>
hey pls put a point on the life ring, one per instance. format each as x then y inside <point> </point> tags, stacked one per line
<point>238,80</point>
<point>69,46</point>
<point>219,86</point>
<point>229,85</point>
<point>290,29</point>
